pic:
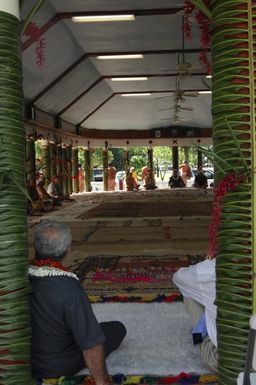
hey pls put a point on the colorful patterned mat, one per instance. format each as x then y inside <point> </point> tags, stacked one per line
<point>120,379</point>
<point>131,279</point>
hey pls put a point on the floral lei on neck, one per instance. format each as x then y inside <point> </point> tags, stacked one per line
<point>49,268</point>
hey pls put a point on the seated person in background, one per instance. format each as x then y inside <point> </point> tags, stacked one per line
<point>144,173</point>
<point>111,177</point>
<point>55,190</point>
<point>197,285</point>
<point>185,172</point>
<point>134,175</point>
<point>46,198</point>
<point>175,180</point>
<point>66,336</point>
<point>36,204</point>
<point>150,183</point>
<point>200,179</point>
<point>131,183</point>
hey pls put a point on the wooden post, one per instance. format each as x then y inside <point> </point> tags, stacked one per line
<point>46,160</point>
<point>31,160</point>
<point>175,158</point>
<point>126,161</point>
<point>105,166</point>
<point>150,158</point>
<point>65,169</point>
<point>87,170</point>
<point>53,164</point>
<point>199,159</point>
<point>75,169</point>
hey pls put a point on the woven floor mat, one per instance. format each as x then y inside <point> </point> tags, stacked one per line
<point>131,279</point>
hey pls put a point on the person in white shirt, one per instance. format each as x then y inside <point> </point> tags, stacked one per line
<point>197,285</point>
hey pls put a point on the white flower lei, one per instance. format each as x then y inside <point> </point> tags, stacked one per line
<point>49,271</point>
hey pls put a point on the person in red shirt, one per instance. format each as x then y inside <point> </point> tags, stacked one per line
<point>185,172</point>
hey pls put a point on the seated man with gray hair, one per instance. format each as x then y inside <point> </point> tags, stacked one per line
<point>66,336</point>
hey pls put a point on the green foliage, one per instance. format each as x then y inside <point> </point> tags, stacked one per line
<point>162,156</point>
<point>38,4</point>
<point>97,157</point>
<point>138,157</point>
<point>118,158</point>
<point>80,156</point>
<point>200,4</point>
<point>38,149</point>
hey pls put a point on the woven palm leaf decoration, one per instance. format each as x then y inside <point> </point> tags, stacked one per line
<point>234,111</point>
<point>46,161</point>
<point>14,307</point>
<point>75,169</point>
<point>15,368</point>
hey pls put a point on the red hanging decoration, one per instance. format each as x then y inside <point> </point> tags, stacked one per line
<point>188,10</point>
<point>203,24</point>
<point>229,183</point>
<point>34,32</point>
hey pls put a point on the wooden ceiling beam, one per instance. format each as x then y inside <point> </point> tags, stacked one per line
<point>144,134</point>
<point>102,78</point>
<point>68,15</point>
<point>130,92</point>
<point>118,134</point>
<point>94,54</point>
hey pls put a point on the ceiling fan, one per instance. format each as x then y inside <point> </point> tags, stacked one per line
<point>180,95</point>
<point>177,108</point>
<point>175,118</point>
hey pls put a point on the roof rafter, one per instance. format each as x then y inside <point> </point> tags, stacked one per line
<point>68,15</point>
<point>94,54</point>
<point>102,78</point>
<point>133,92</point>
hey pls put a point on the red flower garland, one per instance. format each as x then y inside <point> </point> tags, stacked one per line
<point>204,27</point>
<point>35,33</point>
<point>188,10</point>
<point>49,263</point>
<point>229,183</point>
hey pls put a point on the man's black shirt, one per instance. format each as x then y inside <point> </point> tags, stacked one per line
<point>63,324</point>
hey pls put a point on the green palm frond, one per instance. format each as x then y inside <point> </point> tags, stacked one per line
<point>233,111</point>
<point>31,14</point>
<point>202,7</point>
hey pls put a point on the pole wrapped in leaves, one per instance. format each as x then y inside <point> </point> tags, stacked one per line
<point>59,164</point>
<point>234,109</point>
<point>14,306</point>
<point>46,160</point>
<point>53,161</point>
<point>234,118</point>
<point>65,169</point>
<point>69,169</point>
<point>75,175</point>
<point>31,159</point>
<point>87,169</point>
